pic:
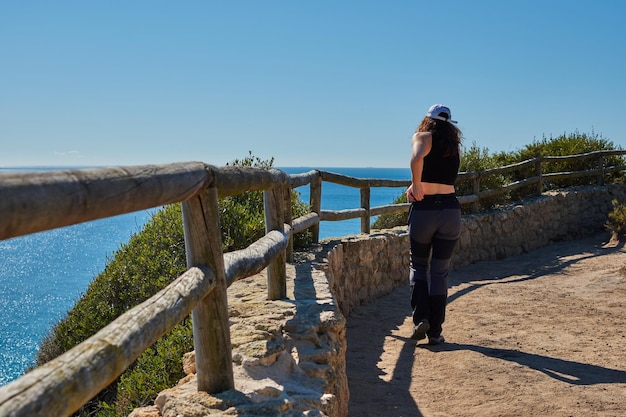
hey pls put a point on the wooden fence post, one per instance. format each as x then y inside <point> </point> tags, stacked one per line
<point>601,167</point>
<point>211,328</point>
<point>273,200</point>
<point>315,201</point>
<point>476,191</point>
<point>539,173</point>
<point>365,203</point>
<point>288,220</point>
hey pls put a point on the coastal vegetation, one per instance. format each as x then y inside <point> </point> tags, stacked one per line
<point>156,255</point>
<point>616,222</point>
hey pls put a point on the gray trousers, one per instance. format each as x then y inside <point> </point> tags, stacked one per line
<point>434,229</point>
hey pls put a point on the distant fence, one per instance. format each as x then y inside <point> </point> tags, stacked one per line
<point>37,201</point>
<point>540,179</point>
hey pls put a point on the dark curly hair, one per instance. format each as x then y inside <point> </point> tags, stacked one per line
<point>445,132</point>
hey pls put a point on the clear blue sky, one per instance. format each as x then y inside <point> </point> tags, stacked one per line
<point>310,83</point>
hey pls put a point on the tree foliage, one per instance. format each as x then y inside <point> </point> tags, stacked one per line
<point>616,222</point>
<point>574,143</point>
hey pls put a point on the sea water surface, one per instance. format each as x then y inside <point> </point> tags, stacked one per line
<point>43,274</point>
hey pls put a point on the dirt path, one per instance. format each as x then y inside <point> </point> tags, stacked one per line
<point>540,334</point>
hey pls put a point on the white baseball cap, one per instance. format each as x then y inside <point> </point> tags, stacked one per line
<point>436,110</point>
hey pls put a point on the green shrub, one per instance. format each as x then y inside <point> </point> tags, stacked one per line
<point>616,222</point>
<point>568,144</point>
<point>475,159</point>
<point>391,220</point>
<point>158,368</point>
<point>242,216</point>
<point>150,260</point>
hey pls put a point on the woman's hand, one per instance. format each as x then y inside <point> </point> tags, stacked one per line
<point>414,193</point>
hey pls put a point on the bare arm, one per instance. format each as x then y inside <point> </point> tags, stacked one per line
<point>420,147</point>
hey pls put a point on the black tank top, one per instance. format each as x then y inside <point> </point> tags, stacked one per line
<point>438,168</point>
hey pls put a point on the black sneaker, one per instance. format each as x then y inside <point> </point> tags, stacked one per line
<point>435,340</point>
<point>419,332</point>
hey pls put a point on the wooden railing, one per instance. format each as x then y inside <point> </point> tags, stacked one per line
<point>540,179</point>
<point>38,201</point>
<point>33,202</point>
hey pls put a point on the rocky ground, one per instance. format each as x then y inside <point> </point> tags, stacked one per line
<point>539,334</point>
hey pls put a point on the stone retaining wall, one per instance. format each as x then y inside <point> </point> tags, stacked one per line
<point>362,268</point>
<point>289,355</point>
<point>551,217</point>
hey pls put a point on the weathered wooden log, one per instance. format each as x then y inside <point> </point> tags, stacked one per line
<point>516,184</point>
<point>570,174</point>
<point>63,385</point>
<point>36,201</point>
<point>584,156</point>
<point>509,187</point>
<point>233,180</point>
<point>538,174</point>
<point>615,168</point>
<point>362,182</point>
<point>506,168</point>
<point>365,205</point>
<point>335,215</point>
<point>246,262</point>
<point>315,201</point>
<point>211,328</point>
<point>390,208</point>
<point>304,222</point>
<point>298,180</point>
<point>273,200</point>
<point>287,219</point>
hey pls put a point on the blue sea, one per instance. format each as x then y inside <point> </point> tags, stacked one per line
<point>43,274</point>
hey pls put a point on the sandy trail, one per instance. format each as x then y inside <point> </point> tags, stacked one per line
<point>539,334</point>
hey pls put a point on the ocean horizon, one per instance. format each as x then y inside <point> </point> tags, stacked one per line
<point>45,273</point>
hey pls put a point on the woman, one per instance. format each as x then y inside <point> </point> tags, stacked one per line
<point>434,219</point>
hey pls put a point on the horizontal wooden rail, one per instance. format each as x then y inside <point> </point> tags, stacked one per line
<point>582,156</point>
<point>390,208</point>
<point>76,196</point>
<point>233,180</point>
<point>571,174</point>
<point>247,262</point>
<point>304,222</point>
<point>362,182</point>
<point>336,215</point>
<point>299,180</point>
<point>615,168</point>
<point>505,169</point>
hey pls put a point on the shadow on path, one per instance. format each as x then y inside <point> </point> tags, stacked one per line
<point>372,391</point>
<point>571,372</point>
<point>528,266</point>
